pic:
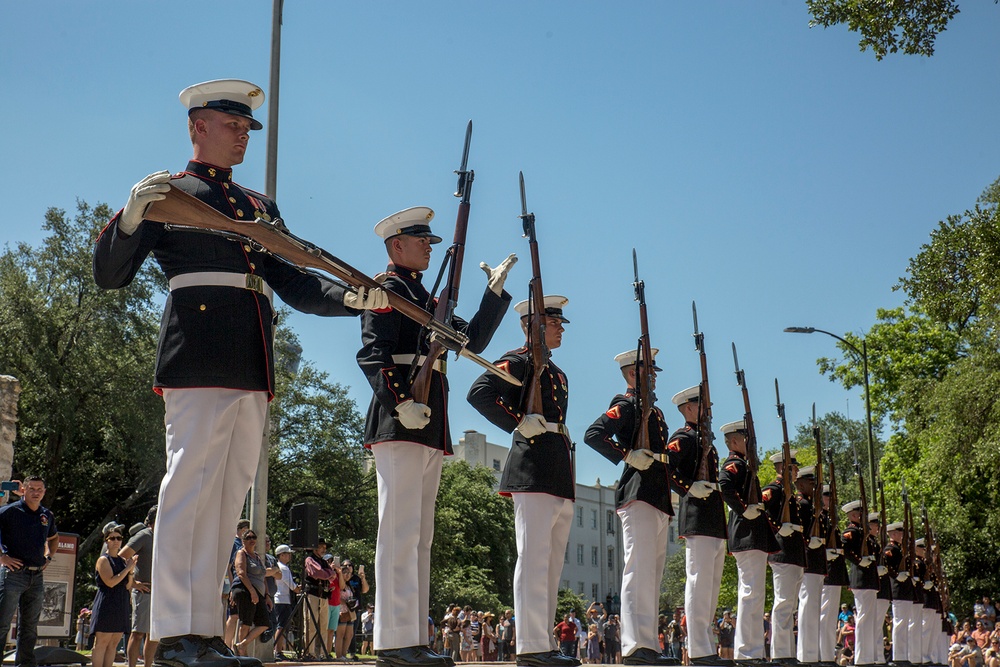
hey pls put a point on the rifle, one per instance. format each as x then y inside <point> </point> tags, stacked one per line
<point>421,373</point>
<point>645,397</point>
<point>930,544</point>
<point>705,435</point>
<point>180,210</point>
<point>864,503</point>
<point>540,353</point>
<point>816,529</point>
<point>833,536</point>
<point>753,463</point>
<point>786,460</point>
<point>883,527</point>
<point>905,546</point>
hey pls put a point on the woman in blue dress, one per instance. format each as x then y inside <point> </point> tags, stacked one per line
<point>112,608</point>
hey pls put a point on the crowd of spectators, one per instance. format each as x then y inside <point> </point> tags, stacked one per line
<point>976,641</point>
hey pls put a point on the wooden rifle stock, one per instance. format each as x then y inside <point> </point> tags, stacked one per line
<point>906,547</point>
<point>421,374</point>
<point>753,463</point>
<point>643,365</point>
<point>537,347</point>
<point>833,536</point>
<point>883,527</point>
<point>816,530</point>
<point>705,435</point>
<point>786,460</point>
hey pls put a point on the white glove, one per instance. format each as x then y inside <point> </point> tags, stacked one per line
<point>797,527</point>
<point>831,554</point>
<point>882,570</point>
<point>640,459</point>
<point>867,561</point>
<point>152,188</point>
<point>751,512</point>
<point>786,529</point>
<point>816,542</point>
<point>532,425</point>
<point>375,299</point>
<point>413,415</point>
<point>928,585</point>
<point>495,278</point>
<point>902,576</point>
<point>701,489</point>
<point>915,580</point>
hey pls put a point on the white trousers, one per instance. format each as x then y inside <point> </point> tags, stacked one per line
<point>703,560</point>
<point>901,612</point>
<point>408,476</point>
<point>810,605</point>
<point>786,579</point>
<point>864,601</point>
<point>943,642</point>
<point>878,638</point>
<point>644,539</point>
<point>829,609</point>
<point>213,446</point>
<point>930,626</point>
<point>915,647</point>
<point>751,569</point>
<point>541,528</point>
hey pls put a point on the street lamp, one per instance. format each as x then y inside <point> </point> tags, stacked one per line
<point>863,353</point>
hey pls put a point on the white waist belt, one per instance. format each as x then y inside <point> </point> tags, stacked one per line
<point>553,427</point>
<point>223,279</point>
<point>440,365</point>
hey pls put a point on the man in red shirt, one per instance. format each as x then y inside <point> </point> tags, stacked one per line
<point>565,633</point>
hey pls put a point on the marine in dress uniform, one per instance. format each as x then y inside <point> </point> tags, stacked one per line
<point>811,588</point>
<point>787,565</point>
<point>902,593</point>
<point>751,539</point>
<point>884,597</point>
<point>539,478</point>
<point>835,579</point>
<point>864,584</point>
<point>642,501</point>
<point>409,439</point>
<point>927,624</point>
<point>214,364</point>
<point>702,524</point>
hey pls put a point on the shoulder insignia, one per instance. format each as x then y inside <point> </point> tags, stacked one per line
<point>674,445</point>
<point>503,365</point>
<point>765,495</point>
<point>615,412</point>
<point>733,468</point>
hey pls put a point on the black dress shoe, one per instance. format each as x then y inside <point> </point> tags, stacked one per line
<point>410,656</point>
<point>219,646</point>
<point>710,660</point>
<point>190,651</point>
<point>647,656</point>
<point>444,657</point>
<point>546,659</point>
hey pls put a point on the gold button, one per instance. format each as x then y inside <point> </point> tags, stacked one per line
<point>232,200</point>
<point>201,307</point>
<point>246,247</point>
<point>395,384</point>
<point>389,373</point>
<point>239,213</point>
<point>225,185</point>
<point>252,265</point>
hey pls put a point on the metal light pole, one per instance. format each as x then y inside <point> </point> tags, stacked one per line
<point>863,353</point>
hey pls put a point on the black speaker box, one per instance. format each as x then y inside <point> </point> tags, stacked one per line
<point>304,522</point>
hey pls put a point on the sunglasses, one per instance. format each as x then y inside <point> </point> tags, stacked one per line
<point>249,538</point>
<point>114,538</point>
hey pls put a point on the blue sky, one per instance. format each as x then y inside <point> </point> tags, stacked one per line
<point>770,171</point>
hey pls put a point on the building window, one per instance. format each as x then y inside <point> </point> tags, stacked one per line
<point>595,560</point>
<point>579,517</point>
<point>565,584</point>
<point>496,464</point>
<point>579,555</point>
<point>593,519</point>
<point>611,522</point>
<point>579,589</point>
<point>611,558</point>
<point>670,535</point>
<point>593,591</point>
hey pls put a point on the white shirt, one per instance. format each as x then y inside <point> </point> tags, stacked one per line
<point>285,585</point>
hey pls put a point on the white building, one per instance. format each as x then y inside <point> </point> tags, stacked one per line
<point>593,563</point>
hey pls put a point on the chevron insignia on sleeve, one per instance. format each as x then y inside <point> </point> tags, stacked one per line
<point>614,412</point>
<point>765,495</point>
<point>674,445</point>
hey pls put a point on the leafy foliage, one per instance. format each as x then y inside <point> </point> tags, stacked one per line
<point>888,26</point>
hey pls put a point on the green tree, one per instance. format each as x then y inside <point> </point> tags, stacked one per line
<point>474,551</point>
<point>89,421</point>
<point>887,27</point>
<point>568,601</point>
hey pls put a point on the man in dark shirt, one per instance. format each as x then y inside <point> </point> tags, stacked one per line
<point>28,539</point>
<point>142,544</point>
